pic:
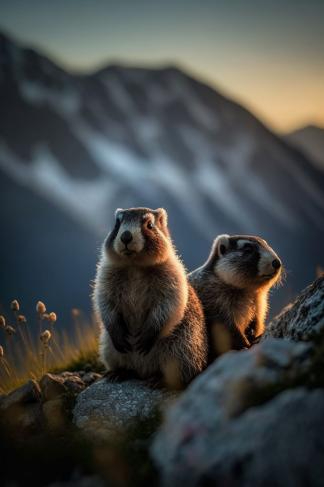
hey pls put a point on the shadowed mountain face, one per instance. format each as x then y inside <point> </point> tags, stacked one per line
<point>310,140</point>
<point>73,148</point>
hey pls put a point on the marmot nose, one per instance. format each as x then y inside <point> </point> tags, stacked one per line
<point>276,264</point>
<point>126,237</point>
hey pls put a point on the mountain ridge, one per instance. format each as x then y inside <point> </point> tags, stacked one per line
<point>310,140</point>
<point>123,137</point>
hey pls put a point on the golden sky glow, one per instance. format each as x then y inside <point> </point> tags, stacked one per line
<point>268,55</point>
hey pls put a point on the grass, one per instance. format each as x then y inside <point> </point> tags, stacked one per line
<point>29,349</point>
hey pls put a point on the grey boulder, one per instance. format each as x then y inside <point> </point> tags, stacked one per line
<point>104,408</point>
<point>279,444</point>
<point>214,433</point>
<point>302,320</point>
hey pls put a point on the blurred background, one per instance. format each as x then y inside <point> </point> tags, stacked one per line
<point>213,110</point>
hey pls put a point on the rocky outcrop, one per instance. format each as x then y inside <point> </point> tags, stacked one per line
<point>105,407</point>
<point>21,410</point>
<point>302,320</point>
<point>35,406</point>
<point>25,394</point>
<point>254,416</point>
<point>280,443</point>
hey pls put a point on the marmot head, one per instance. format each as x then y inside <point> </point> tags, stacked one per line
<point>244,261</point>
<point>140,236</point>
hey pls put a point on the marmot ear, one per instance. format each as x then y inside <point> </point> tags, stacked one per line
<point>221,244</point>
<point>162,216</point>
<point>118,210</point>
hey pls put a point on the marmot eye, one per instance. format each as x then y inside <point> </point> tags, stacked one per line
<point>222,249</point>
<point>248,247</point>
<point>150,225</point>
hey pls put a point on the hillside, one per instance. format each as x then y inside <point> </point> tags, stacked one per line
<point>73,148</point>
<point>310,140</point>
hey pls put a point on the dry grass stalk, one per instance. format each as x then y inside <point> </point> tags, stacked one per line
<point>2,322</point>
<point>14,305</point>
<point>28,357</point>
<point>40,308</point>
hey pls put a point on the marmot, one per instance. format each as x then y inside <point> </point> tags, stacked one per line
<point>233,286</point>
<point>153,322</point>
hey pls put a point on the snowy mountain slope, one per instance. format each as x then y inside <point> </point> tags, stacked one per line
<point>44,254</point>
<point>125,136</point>
<point>309,139</point>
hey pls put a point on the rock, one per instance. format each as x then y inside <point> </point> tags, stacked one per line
<point>278,444</point>
<point>27,418</point>
<point>74,384</point>
<point>55,413</point>
<point>304,319</point>
<point>90,377</point>
<point>56,385</point>
<point>69,375</point>
<point>105,407</point>
<point>80,481</point>
<point>27,393</point>
<point>22,419</point>
<point>52,386</point>
<point>202,426</point>
<point>20,410</point>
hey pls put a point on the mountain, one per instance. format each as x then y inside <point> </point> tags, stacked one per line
<point>44,254</point>
<point>74,147</point>
<point>310,140</point>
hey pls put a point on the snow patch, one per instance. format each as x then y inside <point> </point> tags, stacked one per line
<point>118,92</point>
<point>199,111</point>
<point>83,200</point>
<point>66,102</point>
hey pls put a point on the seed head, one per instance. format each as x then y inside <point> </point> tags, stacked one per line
<point>2,322</point>
<point>1,351</point>
<point>10,330</point>
<point>75,312</point>
<point>21,319</point>
<point>14,305</point>
<point>40,307</point>
<point>52,317</point>
<point>45,337</point>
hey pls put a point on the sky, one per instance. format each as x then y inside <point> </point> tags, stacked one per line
<point>268,55</point>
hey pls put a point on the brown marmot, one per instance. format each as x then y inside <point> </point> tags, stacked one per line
<point>233,286</point>
<point>153,322</point>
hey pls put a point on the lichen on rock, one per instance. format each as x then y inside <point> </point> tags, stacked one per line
<point>104,407</point>
<point>302,320</point>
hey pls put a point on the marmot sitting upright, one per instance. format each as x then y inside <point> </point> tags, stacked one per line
<point>153,322</point>
<point>233,286</point>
